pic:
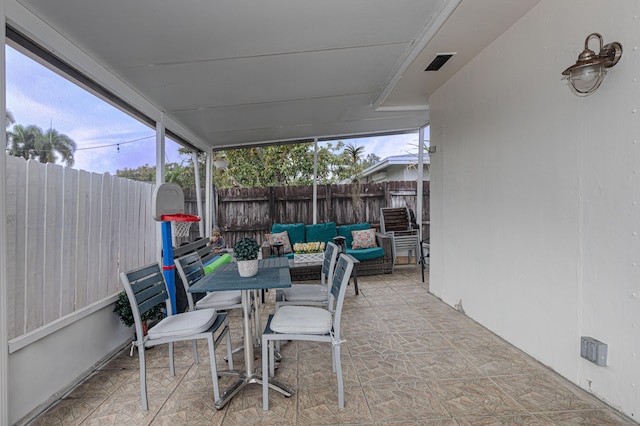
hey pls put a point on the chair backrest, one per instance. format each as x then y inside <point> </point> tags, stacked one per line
<point>396,221</point>
<point>146,289</point>
<point>339,283</point>
<point>329,263</point>
<point>191,270</point>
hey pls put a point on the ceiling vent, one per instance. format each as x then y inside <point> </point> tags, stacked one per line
<point>439,61</point>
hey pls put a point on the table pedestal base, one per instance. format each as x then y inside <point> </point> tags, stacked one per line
<point>243,380</point>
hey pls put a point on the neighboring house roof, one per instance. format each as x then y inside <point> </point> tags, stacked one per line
<point>395,160</point>
<point>373,173</point>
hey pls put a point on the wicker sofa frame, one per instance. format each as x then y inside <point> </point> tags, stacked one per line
<point>381,265</point>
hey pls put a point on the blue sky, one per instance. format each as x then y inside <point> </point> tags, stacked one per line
<point>36,95</point>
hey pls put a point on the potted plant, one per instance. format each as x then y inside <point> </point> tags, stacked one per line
<point>246,253</point>
<point>123,309</point>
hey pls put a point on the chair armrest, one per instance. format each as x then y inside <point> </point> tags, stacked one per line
<point>386,243</point>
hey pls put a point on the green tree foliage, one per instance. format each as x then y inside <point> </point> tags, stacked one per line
<point>144,173</point>
<point>353,162</point>
<point>31,142</point>
<point>276,165</point>
<point>281,165</point>
<point>370,160</point>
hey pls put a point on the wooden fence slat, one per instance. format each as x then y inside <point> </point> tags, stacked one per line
<point>103,261</point>
<point>95,216</point>
<point>82,244</point>
<point>69,238</point>
<point>34,256</point>
<point>16,245</point>
<point>114,238</point>
<point>53,240</point>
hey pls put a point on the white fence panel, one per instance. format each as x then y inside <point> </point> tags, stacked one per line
<point>33,261</point>
<point>16,244</point>
<point>69,241</point>
<point>69,235</point>
<point>52,256</point>
<point>82,239</point>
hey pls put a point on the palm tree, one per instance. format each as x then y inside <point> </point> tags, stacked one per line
<point>9,120</point>
<point>22,140</point>
<point>55,142</point>
<point>31,143</point>
<point>354,163</point>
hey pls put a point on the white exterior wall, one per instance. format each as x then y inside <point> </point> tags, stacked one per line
<point>399,172</point>
<point>41,372</point>
<point>535,195</point>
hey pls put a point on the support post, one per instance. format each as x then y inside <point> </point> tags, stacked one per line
<point>315,181</point>
<point>420,183</point>
<point>196,172</point>
<point>4,338</point>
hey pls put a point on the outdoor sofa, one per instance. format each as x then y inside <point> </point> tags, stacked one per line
<point>372,261</point>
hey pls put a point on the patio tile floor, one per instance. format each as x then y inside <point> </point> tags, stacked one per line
<point>409,359</point>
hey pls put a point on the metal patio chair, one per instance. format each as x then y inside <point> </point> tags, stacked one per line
<point>395,221</point>
<point>309,323</point>
<point>146,288</point>
<point>312,294</point>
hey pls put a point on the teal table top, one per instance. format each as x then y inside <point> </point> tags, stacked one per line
<point>272,273</point>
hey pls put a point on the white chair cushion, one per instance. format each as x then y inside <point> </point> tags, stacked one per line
<point>306,292</point>
<point>219,299</point>
<point>301,319</point>
<point>183,324</point>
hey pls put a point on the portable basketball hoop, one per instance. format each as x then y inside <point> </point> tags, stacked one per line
<point>168,207</point>
<point>180,223</point>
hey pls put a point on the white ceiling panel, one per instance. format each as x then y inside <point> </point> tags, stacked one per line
<point>248,71</point>
<point>270,78</point>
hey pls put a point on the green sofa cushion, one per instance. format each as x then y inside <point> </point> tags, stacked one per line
<point>296,231</point>
<point>323,232</point>
<point>366,254</point>
<point>345,231</point>
<point>219,260</point>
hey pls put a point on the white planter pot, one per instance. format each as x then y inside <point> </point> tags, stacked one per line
<point>247,268</point>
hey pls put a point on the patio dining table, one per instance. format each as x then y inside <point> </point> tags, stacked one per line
<point>272,273</point>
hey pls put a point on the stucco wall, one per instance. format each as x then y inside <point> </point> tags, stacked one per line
<point>535,195</point>
<point>39,372</point>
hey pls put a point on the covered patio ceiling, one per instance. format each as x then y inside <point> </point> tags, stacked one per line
<point>244,72</point>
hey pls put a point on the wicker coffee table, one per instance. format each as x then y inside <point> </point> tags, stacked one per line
<point>310,271</point>
<point>305,271</point>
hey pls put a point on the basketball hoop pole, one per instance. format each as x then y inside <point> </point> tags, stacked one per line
<point>167,264</point>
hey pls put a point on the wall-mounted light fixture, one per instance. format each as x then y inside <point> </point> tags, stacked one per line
<point>587,73</point>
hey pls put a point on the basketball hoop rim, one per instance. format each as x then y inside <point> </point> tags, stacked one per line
<point>179,217</point>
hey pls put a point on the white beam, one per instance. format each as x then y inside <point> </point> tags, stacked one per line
<point>159,174</point>
<point>315,181</point>
<point>209,196</point>
<point>4,342</point>
<point>196,172</point>
<point>420,183</point>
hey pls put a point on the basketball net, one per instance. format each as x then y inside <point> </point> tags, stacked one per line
<point>180,229</point>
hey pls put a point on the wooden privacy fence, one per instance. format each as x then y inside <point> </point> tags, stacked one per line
<point>250,212</point>
<point>70,232</point>
<point>69,235</point>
